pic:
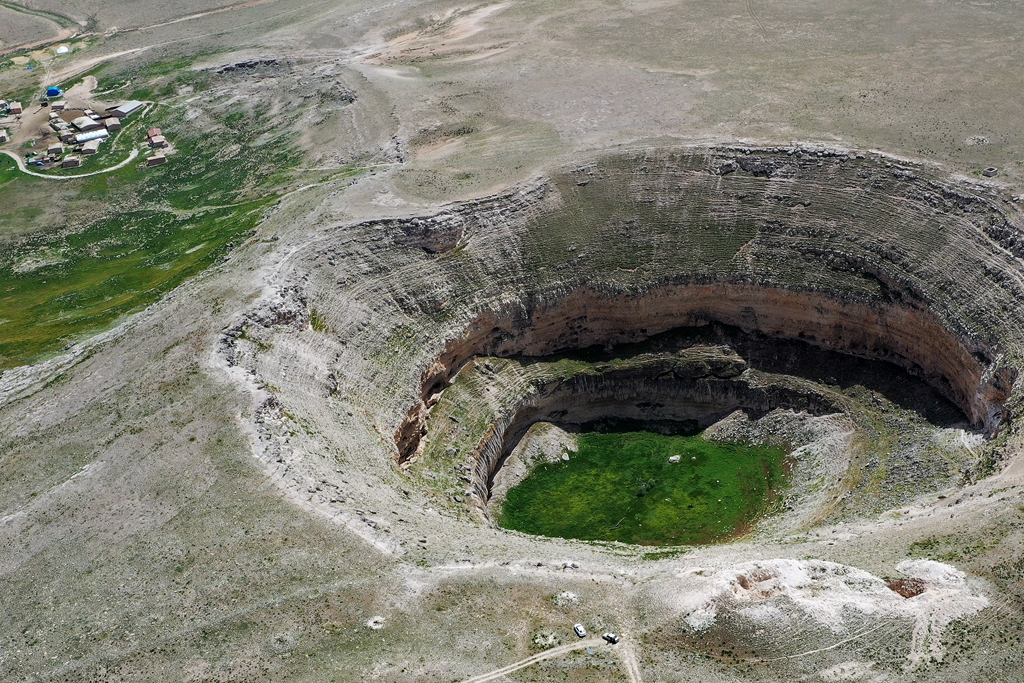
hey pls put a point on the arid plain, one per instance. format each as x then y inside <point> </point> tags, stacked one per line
<point>261,404</point>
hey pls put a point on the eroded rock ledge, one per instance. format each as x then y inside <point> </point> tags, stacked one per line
<point>965,372</point>
<point>863,256</point>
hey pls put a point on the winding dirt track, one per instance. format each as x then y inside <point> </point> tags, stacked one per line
<point>200,15</point>
<point>628,657</point>
<point>24,169</point>
<point>547,654</point>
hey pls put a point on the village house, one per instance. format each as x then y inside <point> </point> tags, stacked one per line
<point>92,146</point>
<point>156,159</point>
<point>55,148</point>
<point>112,124</point>
<point>15,107</point>
<point>72,162</point>
<point>4,137</point>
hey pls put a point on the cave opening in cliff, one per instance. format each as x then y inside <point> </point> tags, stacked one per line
<point>905,355</point>
<point>784,356</point>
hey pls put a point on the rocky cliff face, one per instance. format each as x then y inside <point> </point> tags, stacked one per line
<point>908,337</point>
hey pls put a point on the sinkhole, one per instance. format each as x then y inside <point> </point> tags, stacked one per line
<point>662,293</point>
<point>634,463</point>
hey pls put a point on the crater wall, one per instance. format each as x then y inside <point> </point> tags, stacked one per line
<point>693,389</point>
<point>910,338</point>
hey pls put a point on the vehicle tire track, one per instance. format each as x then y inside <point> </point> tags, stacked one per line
<point>540,657</point>
<point>629,663</point>
<point>757,20</point>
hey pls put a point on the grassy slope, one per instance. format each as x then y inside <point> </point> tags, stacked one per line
<point>621,487</point>
<point>129,236</point>
<point>160,226</point>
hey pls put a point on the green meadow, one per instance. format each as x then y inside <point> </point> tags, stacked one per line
<point>142,232</point>
<point>622,487</point>
<point>88,279</point>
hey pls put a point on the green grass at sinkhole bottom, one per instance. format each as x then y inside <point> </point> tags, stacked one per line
<point>622,487</point>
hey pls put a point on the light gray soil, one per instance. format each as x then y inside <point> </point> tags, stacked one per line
<point>215,490</point>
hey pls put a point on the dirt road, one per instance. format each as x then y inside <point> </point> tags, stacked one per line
<point>629,663</point>
<point>547,654</point>
<point>24,169</point>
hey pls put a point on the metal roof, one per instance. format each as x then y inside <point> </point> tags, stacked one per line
<point>94,135</point>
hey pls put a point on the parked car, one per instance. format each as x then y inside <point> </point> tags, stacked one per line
<point>580,631</point>
<point>611,638</point>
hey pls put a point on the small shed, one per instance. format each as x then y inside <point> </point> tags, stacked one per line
<point>126,109</point>
<point>58,105</point>
<point>4,137</point>
<point>92,146</point>
<point>156,160</point>
<point>112,124</point>
<point>72,162</point>
<point>15,107</point>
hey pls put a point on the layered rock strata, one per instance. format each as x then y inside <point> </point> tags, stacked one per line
<point>910,338</point>
<point>888,313</point>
